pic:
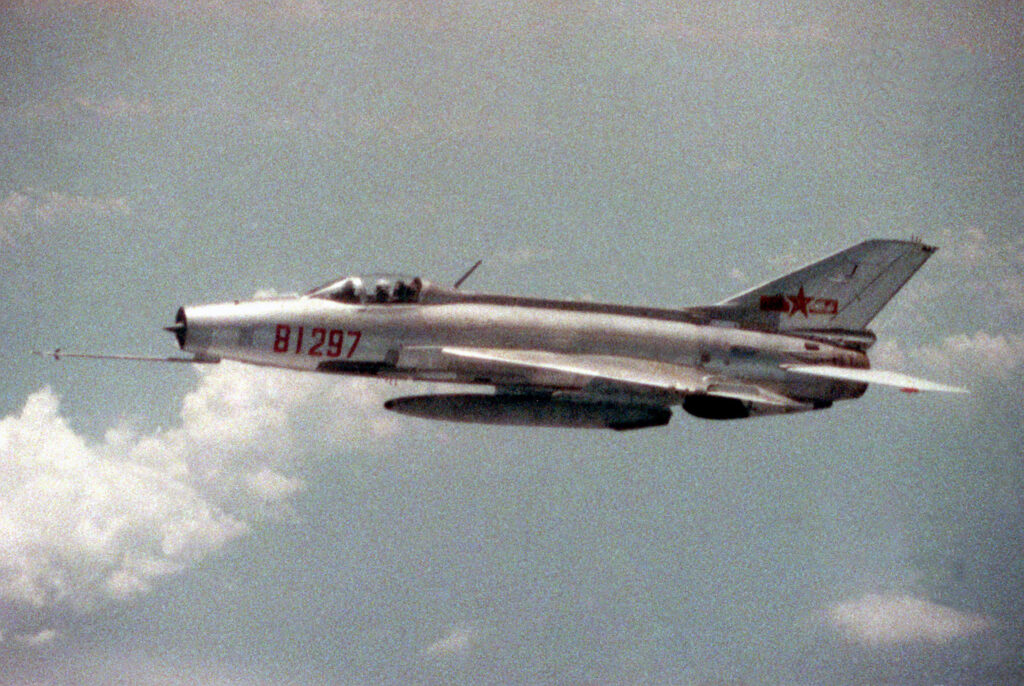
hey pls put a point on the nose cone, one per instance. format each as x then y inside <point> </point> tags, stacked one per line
<point>180,327</point>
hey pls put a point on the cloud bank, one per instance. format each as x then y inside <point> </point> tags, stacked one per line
<point>78,526</point>
<point>88,523</point>
<point>981,356</point>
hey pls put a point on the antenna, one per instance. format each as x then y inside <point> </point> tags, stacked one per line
<point>466,275</point>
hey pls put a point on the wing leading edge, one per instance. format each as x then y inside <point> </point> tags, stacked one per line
<point>621,379</point>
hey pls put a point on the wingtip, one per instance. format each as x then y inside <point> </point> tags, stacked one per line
<point>941,388</point>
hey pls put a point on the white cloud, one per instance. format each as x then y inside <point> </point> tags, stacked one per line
<point>524,255</point>
<point>961,356</point>
<point>458,642</point>
<point>48,206</point>
<point>37,640</point>
<point>997,355</point>
<point>975,248</point>
<point>78,665</point>
<point>85,523</point>
<point>23,210</point>
<point>245,431</point>
<point>984,270</point>
<point>272,486</point>
<point>890,619</point>
<point>77,528</point>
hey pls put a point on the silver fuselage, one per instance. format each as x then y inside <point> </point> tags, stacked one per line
<point>315,334</point>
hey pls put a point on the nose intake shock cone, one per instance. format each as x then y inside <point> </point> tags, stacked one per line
<point>180,327</point>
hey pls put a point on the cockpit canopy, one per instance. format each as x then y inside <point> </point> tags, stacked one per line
<point>372,289</point>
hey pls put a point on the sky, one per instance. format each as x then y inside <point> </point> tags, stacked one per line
<point>227,526</point>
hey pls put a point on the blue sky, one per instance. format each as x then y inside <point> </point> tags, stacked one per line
<point>238,526</point>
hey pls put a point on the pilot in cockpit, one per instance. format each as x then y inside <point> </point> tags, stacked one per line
<point>401,292</point>
<point>347,293</point>
<point>385,291</point>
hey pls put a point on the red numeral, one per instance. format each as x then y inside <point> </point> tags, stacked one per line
<point>282,338</point>
<point>324,342</point>
<point>334,343</point>
<point>358,335</point>
<point>318,337</point>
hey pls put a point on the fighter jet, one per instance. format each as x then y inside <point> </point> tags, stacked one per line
<point>794,344</point>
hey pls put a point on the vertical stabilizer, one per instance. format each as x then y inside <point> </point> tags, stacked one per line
<point>841,292</point>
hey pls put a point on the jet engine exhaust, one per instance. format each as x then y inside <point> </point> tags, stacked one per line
<point>531,410</point>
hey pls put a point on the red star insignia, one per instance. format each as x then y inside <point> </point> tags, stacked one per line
<point>799,302</point>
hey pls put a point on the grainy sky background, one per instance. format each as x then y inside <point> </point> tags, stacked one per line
<point>234,526</point>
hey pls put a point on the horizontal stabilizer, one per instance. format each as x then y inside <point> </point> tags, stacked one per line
<point>907,384</point>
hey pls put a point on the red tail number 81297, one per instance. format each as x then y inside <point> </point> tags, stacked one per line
<point>319,342</point>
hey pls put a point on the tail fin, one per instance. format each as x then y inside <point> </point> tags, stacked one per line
<point>842,292</point>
